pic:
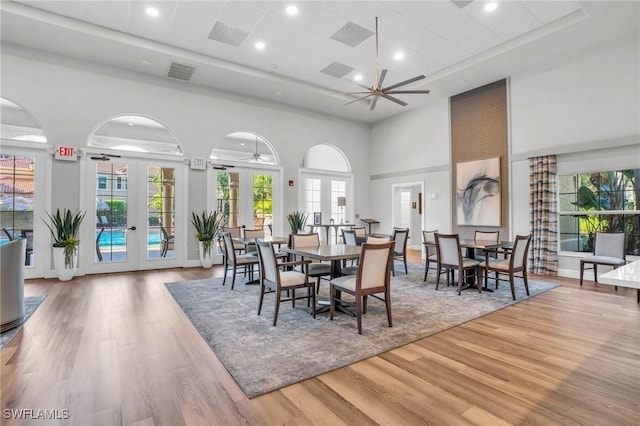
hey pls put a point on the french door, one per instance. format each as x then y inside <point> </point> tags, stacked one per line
<point>249,197</point>
<point>131,203</point>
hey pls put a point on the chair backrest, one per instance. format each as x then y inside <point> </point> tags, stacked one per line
<point>377,240</point>
<point>305,240</point>
<point>229,250</point>
<point>268,261</point>
<point>360,231</point>
<point>258,222</point>
<point>610,244</point>
<point>492,236</point>
<point>349,237</point>
<point>519,252</point>
<point>374,269</point>
<point>253,233</point>
<point>27,234</point>
<point>11,233</point>
<point>429,238</point>
<point>234,231</point>
<point>448,249</point>
<point>400,237</point>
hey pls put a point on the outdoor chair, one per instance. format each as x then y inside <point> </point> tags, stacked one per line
<point>516,261</point>
<point>373,277</point>
<point>275,280</point>
<point>450,258</point>
<point>608,250</point>
<point>167,240</point>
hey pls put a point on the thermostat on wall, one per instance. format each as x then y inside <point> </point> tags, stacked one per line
<point>199,164</point>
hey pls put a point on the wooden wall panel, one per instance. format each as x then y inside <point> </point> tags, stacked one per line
<point>479,130</point>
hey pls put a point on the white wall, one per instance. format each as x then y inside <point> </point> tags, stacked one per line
<point>70,98</point>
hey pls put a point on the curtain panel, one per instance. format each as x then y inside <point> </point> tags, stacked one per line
<point>543,207</point>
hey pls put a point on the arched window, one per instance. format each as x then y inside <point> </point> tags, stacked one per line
<point>245,147</point>
<point>23,176</point>
<point>327,185</point>
<point>135,133</point>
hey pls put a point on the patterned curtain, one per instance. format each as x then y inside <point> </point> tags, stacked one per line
<point>543,207</point>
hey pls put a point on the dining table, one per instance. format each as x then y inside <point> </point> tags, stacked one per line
<point>334,253</point>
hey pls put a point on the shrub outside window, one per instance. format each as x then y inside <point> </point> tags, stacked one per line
<point>599,201</point>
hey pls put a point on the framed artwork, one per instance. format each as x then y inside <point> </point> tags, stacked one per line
<point>317,218</point>
<point>478,192</point>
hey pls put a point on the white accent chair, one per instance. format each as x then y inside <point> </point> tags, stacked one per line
<point>608,249</point>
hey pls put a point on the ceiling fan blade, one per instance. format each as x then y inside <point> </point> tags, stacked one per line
<point>411,80</point>
<point>358,84</point>
<point>391,92</point>
<point>391,98</point>
<point>383,74</point>
<point>357,93</point>
<point>359,99</point>
<point>373,103</point>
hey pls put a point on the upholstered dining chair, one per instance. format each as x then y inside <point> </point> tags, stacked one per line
<point>349,238</point>
<point>429,241</point>
<point>360,231</point>
<point>515,262</point>
<point>400,237</point>
<point>235,232</point>
<point>373,277</point>
<point>235,261</point>
<point>377,240</point>
<point>492,236</point>
<point>608,250</point>
<point>249,234</point>
<point>275,280</point>
<point>316,268</point>
<point>450,258</point>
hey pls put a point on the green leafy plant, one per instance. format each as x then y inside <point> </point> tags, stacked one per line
<point>65,228</point>
<point>297,220</point>
<point>208,225</point>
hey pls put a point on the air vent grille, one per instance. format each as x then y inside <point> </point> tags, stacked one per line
<point>461,3</point>
<point>352,34</point>
<point>181,71</point>
<point>226,34</point>
<point>337,69</point>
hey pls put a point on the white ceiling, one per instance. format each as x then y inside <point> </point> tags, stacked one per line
<point>456,48</point>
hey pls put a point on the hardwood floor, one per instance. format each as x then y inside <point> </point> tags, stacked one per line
<point>116,349</point>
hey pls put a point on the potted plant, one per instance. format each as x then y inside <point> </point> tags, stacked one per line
<point>208,225</point>
<point>65,228</point>
<point>297,220</point>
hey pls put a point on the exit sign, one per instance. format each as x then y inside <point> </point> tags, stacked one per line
<point>67,153</point>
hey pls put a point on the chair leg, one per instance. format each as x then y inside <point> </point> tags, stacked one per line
<point>293,297</point>
<point>275,314</point>
<point>404,258</point>
<point>426,268</point>
<point>581,272</point>
<point>233,278</point>
<point>595,272</point>
<point>364,304</point>
<point>460,274</point>
<point>478,279</point>
<point>261,298</point>
<point>359,313</point>
<point>313,299</point>
<point>387,301</point>
<point>226,268</point>
<point>332,301</point>
<point>526,281</point>
<point>438,275</point>
<point>513,289</point>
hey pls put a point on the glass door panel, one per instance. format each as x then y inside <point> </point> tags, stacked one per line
<point>161,212</point>
<point>111,212</point>
<point>262,202</point>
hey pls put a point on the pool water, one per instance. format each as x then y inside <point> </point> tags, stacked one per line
<point>117,237</point>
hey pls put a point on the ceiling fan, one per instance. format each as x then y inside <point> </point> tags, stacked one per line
<point>377,90</point>
<point>256,157</point>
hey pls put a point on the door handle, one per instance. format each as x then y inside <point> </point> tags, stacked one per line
<point>133,228</point>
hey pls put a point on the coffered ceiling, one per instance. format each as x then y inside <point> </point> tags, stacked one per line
<point>309,59</point>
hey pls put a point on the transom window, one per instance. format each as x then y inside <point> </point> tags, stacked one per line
<point>599,201</point>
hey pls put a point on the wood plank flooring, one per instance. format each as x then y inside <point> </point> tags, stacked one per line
<point>116,349</point>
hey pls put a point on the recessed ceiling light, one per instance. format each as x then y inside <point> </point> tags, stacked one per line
<point>152,11</point>
<point>260,45</point>
<point>292,10</point>
<point>130,124</point>
<point>490,7</point>
<point>357,77</point>
<point>145,62</point>
<point>398,56</point>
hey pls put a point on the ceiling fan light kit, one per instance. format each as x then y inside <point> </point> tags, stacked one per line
<point>377,90</point>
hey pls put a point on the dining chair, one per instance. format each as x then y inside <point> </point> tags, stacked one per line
<point>349,238</point>
<point>450,258</point>
<point>235,261</point>
<point>491,236</point>
<point>377,240</point>
<point>373,278</point>
<point>235,232</point>
<point>275,280</point>
<point>250,247</point>
<point>400,237</point>
<point>360,231</point>
<point>608,249</point>
<point>515,262</point>
<point>316,269</point>
<point>429,241</point>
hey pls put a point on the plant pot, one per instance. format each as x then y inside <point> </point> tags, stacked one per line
<point>63,273</point>
<point>206,260</point>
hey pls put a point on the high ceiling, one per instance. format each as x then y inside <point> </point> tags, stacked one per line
<point>310,58</point>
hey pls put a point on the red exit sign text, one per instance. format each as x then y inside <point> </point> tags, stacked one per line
<point>67,153</point>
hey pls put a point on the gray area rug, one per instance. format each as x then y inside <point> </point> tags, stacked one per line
<point>30,306</point>
<point>262,358</point>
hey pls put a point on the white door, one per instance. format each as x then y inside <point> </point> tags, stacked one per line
<point>134,224</point>
<point>407,211</point>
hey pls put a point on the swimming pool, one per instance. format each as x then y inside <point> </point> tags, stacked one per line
<point>117,238</point>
